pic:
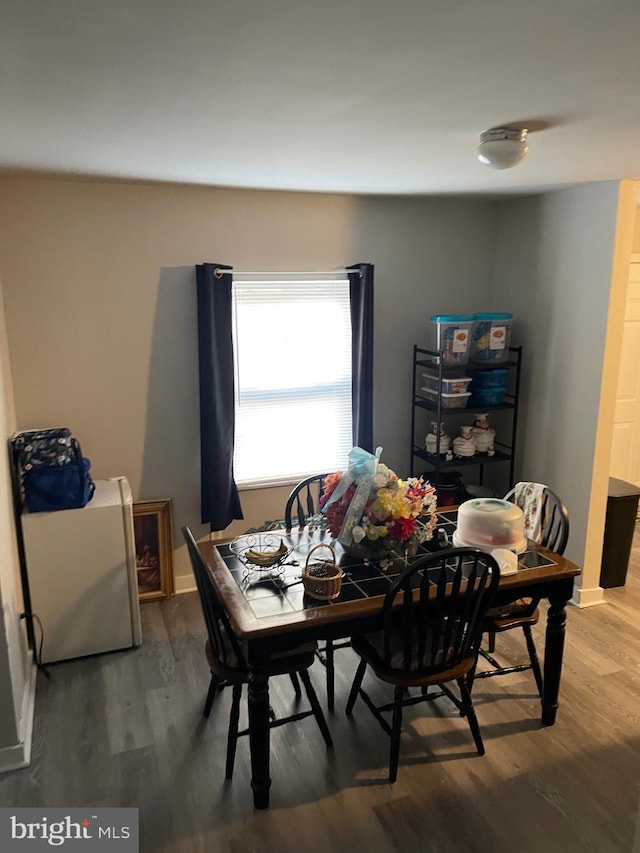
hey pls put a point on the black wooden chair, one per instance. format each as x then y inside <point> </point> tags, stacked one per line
<point>302,504</point>
<point>524,613</point>
<point>228,665</point>
<point>304,501</point>
<point>433,617</point>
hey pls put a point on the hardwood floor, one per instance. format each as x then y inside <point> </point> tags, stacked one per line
<point>127,729</point>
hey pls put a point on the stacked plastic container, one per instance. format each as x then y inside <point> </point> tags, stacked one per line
<point>489,387</point>
<point>490,341</point>
<point>452,390</point>
<point>451,335</point>
<point>448,385</point>
<point>483,338</point>
<point>491,337</point>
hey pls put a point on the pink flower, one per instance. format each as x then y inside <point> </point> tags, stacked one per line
<point>330,483</point>
<point>336,512</point>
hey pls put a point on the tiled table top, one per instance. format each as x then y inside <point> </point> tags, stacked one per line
<point>273,592</point>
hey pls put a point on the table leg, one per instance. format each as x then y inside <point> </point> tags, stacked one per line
<point>258,701</point>
<point>553,652</point>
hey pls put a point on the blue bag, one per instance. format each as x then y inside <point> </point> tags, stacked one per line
<point>55,474</point>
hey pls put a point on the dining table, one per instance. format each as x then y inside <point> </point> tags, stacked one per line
<point>270,612</point>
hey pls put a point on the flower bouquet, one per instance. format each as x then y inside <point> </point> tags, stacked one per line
<point>373,513</point>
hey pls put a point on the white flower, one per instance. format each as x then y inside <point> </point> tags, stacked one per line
<point>380,480</point>
<point>358,534</point>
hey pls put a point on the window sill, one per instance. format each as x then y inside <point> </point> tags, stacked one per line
<point>289,480</point>
<point>253,485</point>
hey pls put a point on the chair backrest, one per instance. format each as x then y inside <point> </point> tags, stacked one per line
<point>303,502</point>
<point>224,642</point>
<point>554,523</point>
<point>433,613</point>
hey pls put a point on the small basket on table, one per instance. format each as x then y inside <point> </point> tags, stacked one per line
<point>322,578</point>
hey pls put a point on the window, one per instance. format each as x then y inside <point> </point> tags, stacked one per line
<point>292,343</point>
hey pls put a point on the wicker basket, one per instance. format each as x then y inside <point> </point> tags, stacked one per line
<point>322,579</point>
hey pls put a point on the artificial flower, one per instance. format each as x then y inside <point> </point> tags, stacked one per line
<point>398,516</point>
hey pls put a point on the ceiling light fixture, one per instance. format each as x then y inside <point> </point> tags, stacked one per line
<point>502,147</point>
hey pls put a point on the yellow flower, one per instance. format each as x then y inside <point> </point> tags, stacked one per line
<point>376,531</point>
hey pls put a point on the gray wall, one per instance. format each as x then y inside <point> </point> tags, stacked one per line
<point>554,263</point>
<point>100,305</point>
<point>432,256</point>
<point>101,316</point>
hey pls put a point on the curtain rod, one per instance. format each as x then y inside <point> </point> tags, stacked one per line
<point>218,273</point>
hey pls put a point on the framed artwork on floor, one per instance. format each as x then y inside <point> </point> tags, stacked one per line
<point>154,549</point>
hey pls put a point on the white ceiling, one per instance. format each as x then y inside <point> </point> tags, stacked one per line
<point>364,96</point>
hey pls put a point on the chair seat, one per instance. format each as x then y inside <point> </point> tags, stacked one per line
<point>370,647</point>
<point>506,623</point>
<point>515,608</point>
<point>281,663</point>
<point>522,612</point>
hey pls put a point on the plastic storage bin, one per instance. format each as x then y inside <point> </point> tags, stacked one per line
<point>448,401</point>
<point>451,334</point>
<point>488,396</point>
<point>489,378</point>
<point>622,509</point>
<point>450,384</point>
<point>491,337</point>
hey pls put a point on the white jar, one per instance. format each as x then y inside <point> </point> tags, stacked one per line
<point>464,445</point>
<point>483,434</point>
<point>431,440</point>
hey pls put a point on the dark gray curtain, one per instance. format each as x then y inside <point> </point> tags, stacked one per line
<point>219,496</point>
<point>361,295</point>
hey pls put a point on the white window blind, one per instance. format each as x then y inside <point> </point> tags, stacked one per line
<point>292,343</point>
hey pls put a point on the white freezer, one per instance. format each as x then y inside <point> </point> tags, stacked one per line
<point>81,569</point>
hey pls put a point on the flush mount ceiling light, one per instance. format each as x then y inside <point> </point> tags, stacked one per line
<point>502,147</point>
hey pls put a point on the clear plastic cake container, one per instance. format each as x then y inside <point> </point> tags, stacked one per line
<point>449,401</point>
<point>450,385</point>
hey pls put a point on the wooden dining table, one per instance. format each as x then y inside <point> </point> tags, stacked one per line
<point>270,612</point>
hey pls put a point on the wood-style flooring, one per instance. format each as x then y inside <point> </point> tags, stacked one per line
<point>127,729</point>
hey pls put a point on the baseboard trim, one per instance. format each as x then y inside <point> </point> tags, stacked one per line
<point>19,755</point>
<point>588,597</point>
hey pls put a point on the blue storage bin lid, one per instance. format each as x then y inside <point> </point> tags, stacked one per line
<point>451,318</point>
<point>490,396</point>
<point>492,371</point>
<point>493,315</point>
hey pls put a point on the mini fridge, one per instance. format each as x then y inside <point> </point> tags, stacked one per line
<point>81,574</point>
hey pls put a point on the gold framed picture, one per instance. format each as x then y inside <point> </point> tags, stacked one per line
<point>154,549</point>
